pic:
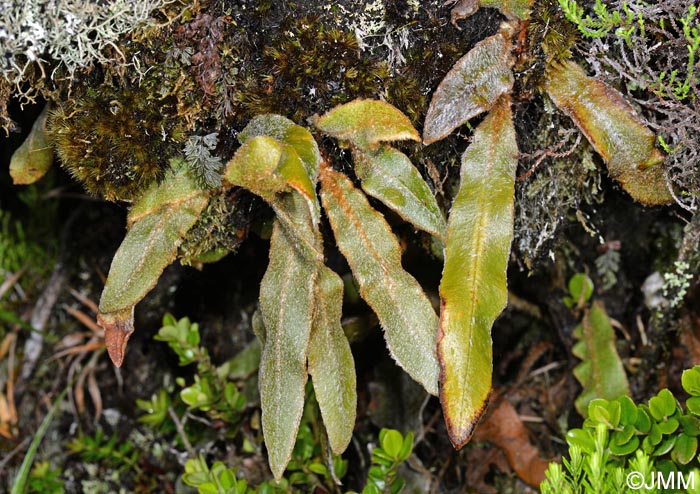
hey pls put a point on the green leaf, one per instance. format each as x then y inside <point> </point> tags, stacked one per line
<point>366,123</point>
<point>665,446</point>
<point>246,362</point>
<point>580,287</point>
<point>685,448</point>
<point>473,287</point>
<point>582,439</point>
<point>254,167</point>
<point>156,225</point>
<point>662,405</point>
<point>471,87</point>
<point>601,373</point>
<point>331,364</point>
<point>628,411</point>
<point>643,422</point>
<point>371,249</point>
<point>286,306</point>
<point>286,131</point>
<point>691,425</point>
<point>691,381</point>
<point>624,448</point>
<point>668,426</point>
<point>34,157</point>
<point>388,175</point>
<point>693,405</point>
<point>392,443</point>
<point>614,129</point>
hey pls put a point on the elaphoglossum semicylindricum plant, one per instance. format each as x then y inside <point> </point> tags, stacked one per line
<point>298,322</point>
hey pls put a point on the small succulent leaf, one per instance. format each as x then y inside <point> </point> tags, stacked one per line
<point>614,129</point>
<point>286,306</point>
<point>601,374</point>
<point>389,176</point>
<point>286,131</point>
<point>254,167</point>
<point>34,157</point>
<point>691,381</point>
<point>471,87</point>
<point>581,438</point>
<point>629,411</point>
<point>157,223</point>
<point>626,448</point>
<point>685,448</point>
<point>473,288</point>
<point>374,256</point>
<point>331,364</point>
<point>366,123</point>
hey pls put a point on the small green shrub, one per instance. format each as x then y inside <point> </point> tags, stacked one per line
<point>119,455</point>
<point>306,470</point>
<point>620,438</point>
<point>44,479</point>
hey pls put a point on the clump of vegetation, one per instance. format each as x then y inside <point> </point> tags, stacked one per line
<point>653,50</point>
<point>627,445</point>
<point>114,143</point>
<point>43,36</point>
<point>252,118</point>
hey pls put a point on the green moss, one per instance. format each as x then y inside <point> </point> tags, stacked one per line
<point>112,141</point>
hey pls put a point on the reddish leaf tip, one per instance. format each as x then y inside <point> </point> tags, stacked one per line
<point>118,328</point>
<point>459,433</point>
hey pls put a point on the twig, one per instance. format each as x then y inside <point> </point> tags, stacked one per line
<point>549,153</point>
<point>11,454</point>
<point>181,430</point>
<point>9,282</point>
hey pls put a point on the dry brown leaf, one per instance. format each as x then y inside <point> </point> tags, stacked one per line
<point>502,426</point>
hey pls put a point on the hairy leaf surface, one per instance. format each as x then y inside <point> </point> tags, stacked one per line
<point>601,372</point>
<point>366,123</point>
<point>34,157</point>
<point>614,129</point>
<point>331,364</point>
<point>388,175</point>
<point>286,306</point>
<point>286,131</point>
<point>371,249</point>
<point>254,167</point>
<point>157,223</point>
<point>473,287</point>
<point>471,87</point>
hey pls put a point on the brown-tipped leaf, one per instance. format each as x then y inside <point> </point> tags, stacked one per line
<point>157,224</point>
<point>373,253</point>
<point>473,287</point>
<point>118,328</point>
<point>614,129</point>
<point>286,306</point>
<point>331,364</point>
<point>388,175</point>
<point>366,123</point>
<point>471,87</point>
<point>35,156</point>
